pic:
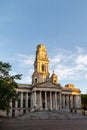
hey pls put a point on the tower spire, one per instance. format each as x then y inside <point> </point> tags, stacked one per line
<point>41,64</point>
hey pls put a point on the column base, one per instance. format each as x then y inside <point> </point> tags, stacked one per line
<point>27,111</point>
<point>41,108</point>
<point>46,108</point>
<point>16,113</point>
<point>21,112</point>
<point>51,108</point>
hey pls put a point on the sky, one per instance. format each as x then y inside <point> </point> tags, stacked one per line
<point>61,25</point>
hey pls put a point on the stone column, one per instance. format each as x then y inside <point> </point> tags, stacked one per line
<point>63,101</point>
<point>40,100</point>
<point>10,111</point>
<point>60,101</point>
<point>16,110</point>
<point>53,100</point>
<point>45,100</point>
<point>31,105</point>
<point>56,100</point>
<point>71,101</point>
<point>67,101</point>
<point>39,67</point>
<point>46,68</point>
<point>16,104</point>
<point>77,101</point>
<point>80,105</point>
<point>21,103</point>
<point>35,99</point>
<point>50,100</point>
<point>74,101</point>
<point>26,102</point>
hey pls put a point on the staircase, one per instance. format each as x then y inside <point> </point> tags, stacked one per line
<point>51,115</point>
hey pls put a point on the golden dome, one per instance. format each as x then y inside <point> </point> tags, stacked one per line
<point>54,78</point>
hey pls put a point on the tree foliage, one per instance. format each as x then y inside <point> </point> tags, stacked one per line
<point>84,101</point>
<point>8,86</point>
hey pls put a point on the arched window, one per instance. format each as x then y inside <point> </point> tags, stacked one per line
<point>43,67</point>
<point>54,81</point>
<point>35,80</point>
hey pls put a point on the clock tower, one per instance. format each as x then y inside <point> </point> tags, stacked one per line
<point>41,65</point>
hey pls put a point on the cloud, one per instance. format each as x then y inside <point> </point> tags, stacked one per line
<point>22,64</point>
<point>82,59</point>
<point>70,64</point>
<point>25,59</point>
<point>56,59</point>
<point>79,49</point>
<point>86,76</point>
<point>66,72</point>
<point>26,79</point>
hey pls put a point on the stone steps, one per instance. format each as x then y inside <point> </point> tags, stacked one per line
<point>51,115</point>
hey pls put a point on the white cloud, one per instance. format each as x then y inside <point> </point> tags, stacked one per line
<point>25,59</point>
<point>56,59</point>
<point>26,79</point>
<point>13,73</point>
<point>79,49</point>
<point>67,72</point>
<point>86,76</point>
<point>66,64</point>
<point>82,59</point>
<point>70,65</point>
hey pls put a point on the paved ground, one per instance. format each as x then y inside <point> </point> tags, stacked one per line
<point>12,124</point>
<point>45,121</point>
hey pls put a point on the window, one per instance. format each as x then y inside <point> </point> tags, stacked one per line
<point>36,80</point>
<point>54,81</point>
<point>43,67</point>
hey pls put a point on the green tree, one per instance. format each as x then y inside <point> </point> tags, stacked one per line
<point>8,86</point>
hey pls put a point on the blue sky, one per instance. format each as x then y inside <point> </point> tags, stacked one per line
<point>59,24</point>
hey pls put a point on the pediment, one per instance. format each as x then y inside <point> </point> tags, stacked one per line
<point>49,84</point>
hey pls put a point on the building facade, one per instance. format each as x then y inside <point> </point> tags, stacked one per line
<point>45,92</point>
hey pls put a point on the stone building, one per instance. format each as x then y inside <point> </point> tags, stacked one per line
<point>45,92</point>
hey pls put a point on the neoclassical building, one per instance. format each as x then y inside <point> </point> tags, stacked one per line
<point>45,92</point>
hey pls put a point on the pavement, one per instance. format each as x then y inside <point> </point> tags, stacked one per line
<point>45,121</point>
<point>66,124</point>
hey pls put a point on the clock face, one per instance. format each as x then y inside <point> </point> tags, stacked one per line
<point>42,55</point>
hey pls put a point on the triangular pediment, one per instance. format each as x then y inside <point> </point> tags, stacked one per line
<point>48,84</point>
